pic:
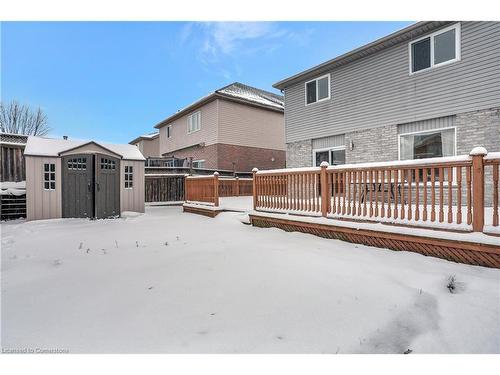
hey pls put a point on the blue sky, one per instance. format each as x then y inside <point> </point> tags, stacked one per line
<point>113,81</point>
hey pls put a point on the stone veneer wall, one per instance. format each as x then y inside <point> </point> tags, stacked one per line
<point>477,128</point>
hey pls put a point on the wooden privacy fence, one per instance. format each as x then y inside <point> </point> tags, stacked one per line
<point>208,189</point>
<point>164,188</point>
<point>447,193</point>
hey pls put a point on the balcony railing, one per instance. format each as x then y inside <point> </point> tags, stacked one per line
<point>447,193</point>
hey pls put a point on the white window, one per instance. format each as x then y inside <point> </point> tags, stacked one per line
<point>169,131</point>
<point>49,176</point>
<point>439,48</point>
<point>194,122</point>
<point>427,144</point>
<point>198,163</point>
<point>129,177</point>
<point>333,155</point>
<point>318,89</point>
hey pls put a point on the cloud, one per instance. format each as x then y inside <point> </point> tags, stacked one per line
<point>227,43</point>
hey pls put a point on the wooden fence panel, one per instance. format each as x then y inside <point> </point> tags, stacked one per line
<point>168,188</point>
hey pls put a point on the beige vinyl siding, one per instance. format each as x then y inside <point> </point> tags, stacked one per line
<point>41,203</point>
<point>245,125</point>
<point>378,90</point>
<point>180,137</point>
<point>132,199</point>
<point>150,147</point>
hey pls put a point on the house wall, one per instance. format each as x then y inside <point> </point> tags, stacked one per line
<point>132,199</point>
<point>149,147</point>
<point>181,139</point>
<point>41,203</point>
<point>247,158</point>
<point>244,125</point>
<point>378,90</point>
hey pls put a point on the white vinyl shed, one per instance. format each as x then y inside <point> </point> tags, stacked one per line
<point>75,178</point>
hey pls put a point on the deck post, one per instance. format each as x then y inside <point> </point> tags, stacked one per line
<point>324,189</point>
<point>237,183</point>
<point>478,154</point>
<point>216,189</point>
<point>254,187</point>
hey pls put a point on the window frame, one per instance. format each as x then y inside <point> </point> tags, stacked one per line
<point>130,181</point>
<point>316,150</point>
<point>429,131</point>
<point>198,161</point>
<point>431,36</point>
<point>197,113</point>
<point>317,89</point>
<point>50,180</point>
<point>169,131</point>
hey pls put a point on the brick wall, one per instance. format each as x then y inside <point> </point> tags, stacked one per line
<point>299,154</point>
<point>247,158</point>
<point>372,145</point>
<point>222,156</point>
<point>207,153</point>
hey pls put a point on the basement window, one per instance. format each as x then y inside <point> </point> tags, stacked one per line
<point>129,177</point>
<point>49,176</point>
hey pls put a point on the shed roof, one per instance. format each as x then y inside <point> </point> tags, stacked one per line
<point>238,92</point>
<point>408,33</point>
<point>42,146</point>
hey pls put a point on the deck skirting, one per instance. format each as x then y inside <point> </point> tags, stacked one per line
<point>458,251</point>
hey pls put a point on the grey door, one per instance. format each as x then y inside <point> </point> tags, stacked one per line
<point>78,186</point>
<point>107,186</point>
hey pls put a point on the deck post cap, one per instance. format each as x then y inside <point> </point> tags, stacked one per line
<point>216,173</point>
<point>324,164</point>
<point>478,151</point>
<point>255,169</point>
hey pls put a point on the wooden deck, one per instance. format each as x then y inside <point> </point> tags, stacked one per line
<point>468,252</point>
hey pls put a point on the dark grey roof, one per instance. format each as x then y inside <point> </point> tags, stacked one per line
<point>236,92</point>
<point>9,138</point>
<point>408,33</point>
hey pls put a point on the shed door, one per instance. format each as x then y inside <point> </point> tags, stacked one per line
<point>78,186</point>
<point>107,186</point>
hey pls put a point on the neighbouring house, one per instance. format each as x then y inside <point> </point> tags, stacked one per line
<point>75,178</point>
<point>235,128</point>
<point>148,144</point>
<point>429,90</point>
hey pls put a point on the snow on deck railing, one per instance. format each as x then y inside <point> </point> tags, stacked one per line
<point>446,192</point>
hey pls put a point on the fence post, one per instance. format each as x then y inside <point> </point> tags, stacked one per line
<point>324,189</point>
<point>186,188</point>
<point>478,154</point>
<point>237,183</point>
<point>216,189</point>
<point>254,187</point>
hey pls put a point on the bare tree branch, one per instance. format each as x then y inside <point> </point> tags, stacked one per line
<point>18,118</point>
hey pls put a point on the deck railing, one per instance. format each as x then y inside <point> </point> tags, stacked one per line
<point>208,189</point>
<point>447,193</point>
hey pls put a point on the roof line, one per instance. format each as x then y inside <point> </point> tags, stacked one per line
<point>352,54</point>
<point>209,98</point>
<point>88,143</point>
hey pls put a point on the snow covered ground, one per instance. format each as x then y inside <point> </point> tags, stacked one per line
<point>172,282</point>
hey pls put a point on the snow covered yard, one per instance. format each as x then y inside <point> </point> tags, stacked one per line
<point>173,282</point>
